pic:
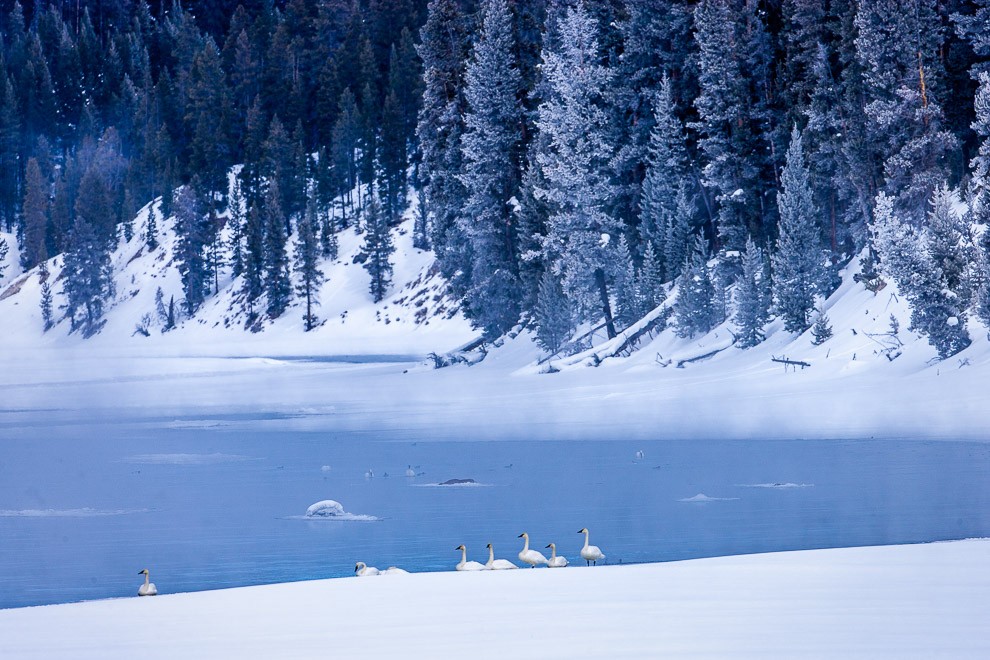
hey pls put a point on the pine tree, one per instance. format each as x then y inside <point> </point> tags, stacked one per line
<point>630,305</point>
<point>821,329</point>
<point>190,248</point>
<point>694,313</point>
<point>752,297</point>
<point>47,317</point>
<point>650,279</point>
<point>975,28</point>
<point>581,231</point>
<point>798,264</point>
<point>553,315</point>
<point>277,283</point>
<point>254,258</point>
<point>490,147</point>
<point>378,246</point>
<point>151,229</point>
<point>677,241</point>
<point>88,278</point>
<point>4,250</point>
<point>307,254</point>
<point>936,311</point>
<point>236,220</point>
<point>981,125</point>
<point>34,250</point>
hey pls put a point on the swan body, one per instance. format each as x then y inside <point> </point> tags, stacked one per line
<point>555,561</point>
<point>148,588</point>
<point>410,472</point>
<point>640,455</point>
<point>466,565</point>
<point>370,474</point>
<point>497,564</point>
<point>531,557</point>
<point>393,570</point>
<point>363,570</point>
<point>590,553</point>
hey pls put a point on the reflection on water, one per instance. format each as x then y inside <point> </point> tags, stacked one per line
<point>209,507</point>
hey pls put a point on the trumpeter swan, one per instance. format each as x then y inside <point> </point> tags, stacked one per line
<point>590,553</point>
<point>640,455</point>
<point>393,570</point>
<point>148,588</point>
<point>363,570</point>
<point>555,561</point>
<point>370,474</point>
<point>466,565</point>
<point>410,472</point>
<point>497,564</point>
<point>531,557</point>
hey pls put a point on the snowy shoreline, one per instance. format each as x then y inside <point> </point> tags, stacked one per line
<point>872,602</point>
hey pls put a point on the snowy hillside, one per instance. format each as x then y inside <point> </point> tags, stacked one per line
<point>416,316</point>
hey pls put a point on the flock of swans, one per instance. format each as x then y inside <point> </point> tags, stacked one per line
<point>590,553</point>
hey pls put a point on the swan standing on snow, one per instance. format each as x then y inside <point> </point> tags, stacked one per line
<point>531,557</point>
<point>148,588</point>
<point>497,564</point>
<point>466,565</point>
<point>393,570</point>
<point>363,570</point>
<point>590,553</point>
<point>555,561</point>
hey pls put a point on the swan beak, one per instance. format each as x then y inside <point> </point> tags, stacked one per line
<point>548,546</point>
<point>521,535</point>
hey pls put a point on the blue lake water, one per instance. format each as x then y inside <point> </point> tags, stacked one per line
<point>85,508</point>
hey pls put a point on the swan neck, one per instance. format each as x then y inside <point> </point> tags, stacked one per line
<point>491,555</point>
<point>586,539</point>
<point>553,552</point>
<point>147,578</point>
<point>464,555</point>
<point>526,544</point>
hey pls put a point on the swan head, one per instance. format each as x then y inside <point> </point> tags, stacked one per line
<point>524,535</point>
<point>583,530</point>
<point>143,571</point>
<point>460,547</point>
<point>489,546</point>
<point>552,545</point>
<point>358,566</point>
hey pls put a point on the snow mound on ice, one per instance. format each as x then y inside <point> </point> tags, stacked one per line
<point>701,497</point>
<point>332,510</point>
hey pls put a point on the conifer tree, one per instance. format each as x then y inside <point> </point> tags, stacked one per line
<point>677,241</point>
<point>798,263</point>
<point>47,317</point>
<point>277,283</point>
<point>552,314</point>
<point>190,248</point>
<point>254,258</point>
<point>650,279</point>
<point>307,262</point>
<point>490,149</point>
<point>752,297</point>
<point>88,278</point>
<point>821,329</point>
<point>694,313</point>
<point>34,250</point>
<point>378,246</point>
<point>581,231</point>
<point>630,305</point>
<point>151,229</point>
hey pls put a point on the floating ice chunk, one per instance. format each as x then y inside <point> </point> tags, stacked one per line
<point>186,459</point>
<point>701,497</point>
<point>777,485</point>
<point>326,468</point>
<point>84,512</point>
<point>332,510</point>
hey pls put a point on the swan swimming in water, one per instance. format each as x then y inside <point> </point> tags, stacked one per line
<point>590,553</point>
<point>640,455</point>
<point>410,472</point>
<point>148,588</point>
<point>363,570</point>
<point>466,565</point>
<point>531,557</point>
<point>497,564</point>
<point>370,474</point>
<point>555,561</point>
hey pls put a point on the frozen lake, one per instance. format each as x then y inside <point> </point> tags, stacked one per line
<point>207,504</point>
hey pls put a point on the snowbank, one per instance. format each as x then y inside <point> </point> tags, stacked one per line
<point>917,601</point>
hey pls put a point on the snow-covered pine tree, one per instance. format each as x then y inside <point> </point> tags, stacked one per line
<point>630,306</point>
<point>975,28</point>
<point>235,221</point>
<point>582,233</point>
<point>821,329</point>
<point>947,243</point>
<point>935,310</point>
<point>666,172</point>
<point>307,254</point>
<point>378,246</point>
<point>981,125</point>
<point>553,315</point>
<point>677,234</point>
<point>88,278</point>
<point>190,247</point>
<point>693,310</point>
<point>490,149</point>
<point>650,279</point>
<point>151,229</point>
<point>798,263</point>
<point>278,285</point>
<point>254,258</point>
<point>45,303</point>
<point>752,297</point>
<point>4,250</point>
<point>35,216</point>
<point>443,49</point>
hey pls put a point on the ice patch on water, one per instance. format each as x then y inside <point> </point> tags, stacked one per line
<point>777,485</point>
<point>701,497</point>
<point>85,512</point>
<point>472,484</point>
<point>332,510</point>
<point>186,459</point>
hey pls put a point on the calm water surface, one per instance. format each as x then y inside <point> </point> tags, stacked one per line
<point>206,507</point>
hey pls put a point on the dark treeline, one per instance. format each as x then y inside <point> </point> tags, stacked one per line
<point>571,158</point>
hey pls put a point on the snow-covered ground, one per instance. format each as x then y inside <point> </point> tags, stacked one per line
<point>917,601</point>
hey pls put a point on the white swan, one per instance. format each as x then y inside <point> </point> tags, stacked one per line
<point>590,553</point>
<point>148,588</point>
<point>466,565</point>
<point>410,472</point>
<point>555,561</point>
<point>370,474</point>
<point>640,455</point>
<point>531,557</point>
<point>497,564</point>
<point>393,570</point>
<point>363,570</point>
